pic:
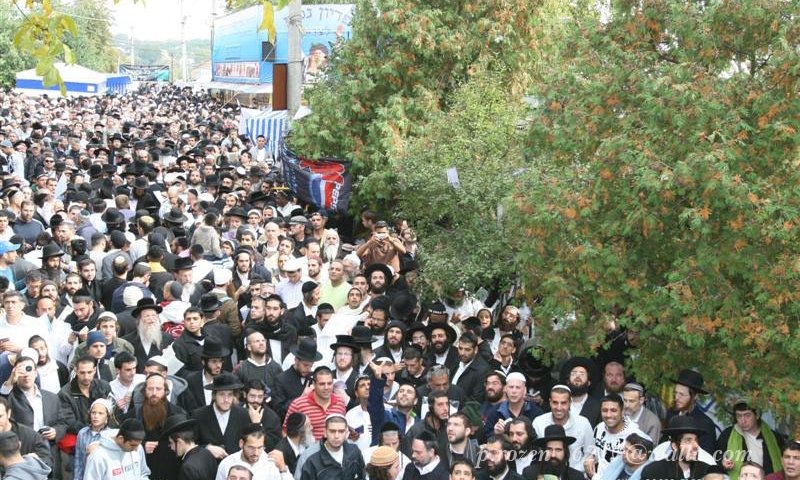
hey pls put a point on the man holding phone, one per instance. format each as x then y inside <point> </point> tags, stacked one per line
<point>382,247</point>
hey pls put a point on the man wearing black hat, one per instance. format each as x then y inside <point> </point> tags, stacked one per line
<point>303,315</point>
<point>553,455</point>
<point>689,385</point>
<point>212,355</point>
<point>148,340</point>
<point>210,305</point>
<point>379,277</point>
<point>196,461</point>
<point>292,382</point>
<point>220,424</point>
<point>580,374</point>
<point>345,355</point>
<point>683,432</point>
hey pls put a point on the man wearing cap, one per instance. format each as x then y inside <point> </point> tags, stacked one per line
<point>290,288</point>
<point>196,461</point>
<point>182,272</point>
<point>683,432</point>
<point>148,340</point>
<point>120,457</point>
<point>577,426</point>
<point>220,424</point>
<point>96,347</point>
<point>332,458</point>
<point>15,465</point>
<point>689,385</point>
<point>318,402</point>
<point>393,341</point>
<point>7,257</point>
<point>303,315</point>
<point>553,456</point>
<point>515,405</point>
<point>634,396</point>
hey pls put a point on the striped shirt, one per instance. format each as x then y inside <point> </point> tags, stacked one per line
<point>307,405</point>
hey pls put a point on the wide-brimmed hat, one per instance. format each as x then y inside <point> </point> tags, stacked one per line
<point>591,369</point>
<point>345,341</point>
<point>379,267</point>
<point>451,332</point>
<point>362,335</point>
<point>112,216</point>
<point>140,183</point>
<point>175,215</point>
<point>182,263</point>
<point>177,423</point>
<point>210,303</point>
<point>146,303</point>
<point>306,350</point>
<point>416,327</point>
<point>402,306</point>
<point>10,183</point>
<point>553,433</point>
<point>691,379</point>
<point>237,212</point>
<point>225,381</point>
<point>680,424</point>
<point>214,349</point>
<point>51,250</point>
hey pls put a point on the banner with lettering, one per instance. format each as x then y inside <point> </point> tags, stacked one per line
<point>325,183</point>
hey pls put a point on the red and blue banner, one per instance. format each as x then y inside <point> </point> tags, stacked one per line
<point>325,183</point>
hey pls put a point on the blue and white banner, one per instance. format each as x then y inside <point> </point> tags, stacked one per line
<point>272,124</point>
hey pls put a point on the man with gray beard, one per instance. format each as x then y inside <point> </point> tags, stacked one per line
<point>299,436</point>
<point>331,247</point>
<point>148,340</point>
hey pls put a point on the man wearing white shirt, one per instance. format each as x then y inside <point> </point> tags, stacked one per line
<point>290,288</point>
<point>17,327</point>
<point>609,435</point>
<point>576,426</point>
<point>252,456</point>
<point>358,421</point>
<point>127,379</point>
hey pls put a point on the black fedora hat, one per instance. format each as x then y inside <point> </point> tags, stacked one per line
<point>362,335</point>
<point>680,424</point>
<point>146,303</point>
<point>379,267</point>
<point>10,183</point>
<point>177,423</point>
<point>112,216</point>
<point>140,183</point>
<point>691,379</point>
<point>237,212</point>
<point>345,341</point>
<point>210,303</point>
<point>225,381</point>
<point>213,349</point>
<point>182,263</point>
<point>586,363</point>
<point>402,306</point>
<point>175,215</point>
<point>51,250</point>
<point>416,327</point>
<point>451,332</point>
<point>554,433</point>
<point>306,350</point>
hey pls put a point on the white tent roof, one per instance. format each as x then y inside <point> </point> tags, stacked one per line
<point>69,73</point>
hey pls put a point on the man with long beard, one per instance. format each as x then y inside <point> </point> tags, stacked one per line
<point>148,340</point>
<point>331,246</point>
<point>553,456</point>
<point>580,374</point>
<point>299,436</point>
<point>153,413</point>
<point>442,337</point>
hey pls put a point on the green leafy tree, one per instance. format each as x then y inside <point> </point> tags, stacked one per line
<point>460,234</point>
<point>663,189</point>
<point>92,43</point>
<point>399,68</point>
<point>11,59</point>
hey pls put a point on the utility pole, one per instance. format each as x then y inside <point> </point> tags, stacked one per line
<point>133,52</point>
<point>294,74</point>
<point>184,73</point>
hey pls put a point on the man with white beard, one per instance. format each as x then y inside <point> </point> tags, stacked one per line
<point>299,436</point>
<point>331,248</point>
<point>148,340</point>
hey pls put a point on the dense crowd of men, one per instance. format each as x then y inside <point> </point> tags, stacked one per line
<point>171,310</point>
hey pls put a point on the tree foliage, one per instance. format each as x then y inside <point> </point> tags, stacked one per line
<point>11,59</point>
<point>664,186</point>
<point>401,65</point>
<point>458,228</point>
<point>92,45</point>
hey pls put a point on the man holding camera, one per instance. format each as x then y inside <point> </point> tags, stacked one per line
<point>30,405</point>
<point>382,247</point>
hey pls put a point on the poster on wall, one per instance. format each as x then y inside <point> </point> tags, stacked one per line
<point>248,70</point>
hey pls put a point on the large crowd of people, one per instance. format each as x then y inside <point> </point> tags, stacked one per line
<point>171,310</point>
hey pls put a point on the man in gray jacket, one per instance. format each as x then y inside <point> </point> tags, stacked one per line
<point>120,457</point>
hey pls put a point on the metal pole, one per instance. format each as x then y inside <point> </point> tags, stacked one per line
<point>294,72</point>
<point>133,52</point>
<point>184,73</point>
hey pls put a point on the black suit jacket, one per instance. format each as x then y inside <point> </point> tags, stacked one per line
<point>222,333</point>
<point>210,433</point>
<point>450,361</point>
<point>138,349</point>
<point>194,388</point>
<point>197,464</point>
<point>288,454</point>
<point>472,380</point>
<point>288,386</point>
<point>591,410</point>
<point>298,319</point>
<point>22,411</point>
<point>668,470</point>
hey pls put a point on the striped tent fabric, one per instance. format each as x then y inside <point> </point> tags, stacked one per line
<point>273,124</point>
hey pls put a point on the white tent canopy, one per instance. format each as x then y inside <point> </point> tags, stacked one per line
<point>77,79</point>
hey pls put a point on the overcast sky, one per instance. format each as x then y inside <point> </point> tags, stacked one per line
<point>161,19</point>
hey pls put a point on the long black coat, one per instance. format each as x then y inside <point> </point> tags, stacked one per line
<point>288,386</point>
<point>288,454</point>
<point>163,463</point>
<point>221,333</point>
<point>439,473</point>
<point>194,388</point>
<point>669,470</point>
<point>198,464</point>
<point>210,433</point>
<point>451,361</point>
<point>591,410</point>
<point>189,351</point>
<point>472,380</point>
<point>138,349</point>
